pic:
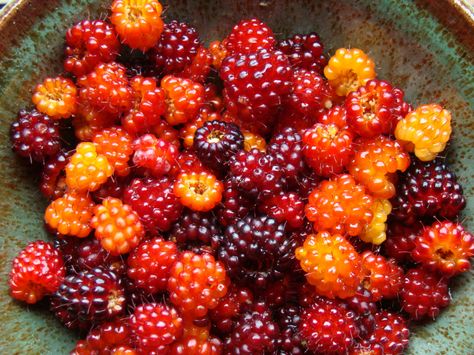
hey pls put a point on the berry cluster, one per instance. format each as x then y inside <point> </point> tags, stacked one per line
<point>272,208</point>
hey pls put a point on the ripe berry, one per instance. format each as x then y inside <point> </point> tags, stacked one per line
<point>305,51</point>
<point>290,340</point>
<point>147,108</point>
<point>425,131</point>
<point>149,264</point>
<point>424,294</point>
<point>286,208</point>
<point>249,36</point>
<point>218,53</point>
<point>382,277</point>
<point>88,297</point>
<point>310,92</point>
<point>251,250</point>
<point>196,284</point>
<point>89,121</point>
<point>374,163</point>
<point>196,340</point>
<point>444,247</point>
<point>335,115</point>
<point>428,190</point>
<point>138,24</point>
<point>390,335</point>
<point>36,271</point>
<point>116,145</point>
<point>256,173</point>
<point>155,326</point>
<point>154,202</point>
<point>216,142</point>
<point>35,136</point>
<point>70,214</point>
<point>106,88</point>
<point>234,205</point>
<point>117,226</point>
<point>87,169</point>
<point>375,108</point>
<point>53,176</point>
<point>327,149</point>
<point>155,155</point>
<point>253,140</point>
<point>340,205</point>
<point>89,43</point>
<point>254,333</point>
<point>56,97</point>
<point>401,241</point>
<point>184,98</point>
<point>113,187</point>
<point>255,84</point>
<point>177,47</point>
<point>375,231</point>
<point>163,130</point>
<point>348,69</point>
<point>187,132</point>
<point>200,67</point>
<point>328,327</point>
<point>187,161</point>
<point>331,263</point>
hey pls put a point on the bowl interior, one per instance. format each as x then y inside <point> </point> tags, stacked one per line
<point>411,49</point>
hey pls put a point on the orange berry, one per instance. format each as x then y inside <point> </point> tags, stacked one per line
<point>87,170</point>
<point>375,231</point>
<point>425,131</point>
<point>199,191</point>
<point>374,163</point>
<point>56,97</point>
<point>340,205</point>
<point>70,214</point>
<point>184,98</point>
<point>331,263</point>
<point>117,226</point>
<point>204,115</point>
<point>116,145</point>
<point>218,52</point>
<point>196,341</point>
<point>348,69</point>
<point>137,22</point>
<point>88,121</point>
<point>253,140</point>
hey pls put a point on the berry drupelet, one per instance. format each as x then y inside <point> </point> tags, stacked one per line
<point>249,36</point>
<point>304,51</point>
<point>401,241</point>
<point>310,92</point>
<point>235,204</point>
<point>290,341</point>
<point>390,334</point>
<point>285,207</point>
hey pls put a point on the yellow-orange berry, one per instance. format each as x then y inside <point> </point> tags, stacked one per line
<point>375,232</point>
<point>331,263</point>
<point>70,214</point>
<point>138,22</point>
<point>348,69</point>
<point>374,163</point>
<point>425,131</point>
<point>218,53</point>
<point>87,170</point>
<point>253,140</point>
<point>56,97</point>
<point>340,205</point>
<point>199,191</point>
<point>117,226</point>
<point>116,145</point>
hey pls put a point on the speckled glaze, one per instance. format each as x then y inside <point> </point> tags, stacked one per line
<point>410,42</point>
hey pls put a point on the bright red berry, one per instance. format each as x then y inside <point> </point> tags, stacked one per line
<point>249,36</point>
<point>155,155</point>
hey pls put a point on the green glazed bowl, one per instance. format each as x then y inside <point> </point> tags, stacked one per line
<point>424,47</point>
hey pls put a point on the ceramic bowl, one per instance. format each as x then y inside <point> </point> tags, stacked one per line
<point>422,46</point>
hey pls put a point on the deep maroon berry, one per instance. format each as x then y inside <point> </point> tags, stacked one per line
<point>216,142</point>
<point>304,51</point>
<point>113,187</point>
<point>235,204</point>
<point>290,341</point>
<point>428,190</point>
<point>53,176</point>
<point>362,303</point>
<point>35,136</point>
<point>401,240</point>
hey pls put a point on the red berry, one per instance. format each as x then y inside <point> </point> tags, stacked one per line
<point>53,176</point>
<point>335,115</point>
<point>390,334</point>
<point>285,207</point>
<point>401,241</point>
<point>153,154</point>
<point>249,36</point>
<point>310,92</point>
<point>304,51</point>
<point>235,204</point>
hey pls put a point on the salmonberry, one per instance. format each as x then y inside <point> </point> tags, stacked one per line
<point>285,208</point>
<point>327,148</point>
<point>87,169</point>
<point>445,247</point>
<point>390,334</point>
<point>200,67</point>
<point>348,69</point>
<point>138,23</point>
<point>36,271</point>
<point>218,53</point>
<point>113,187</point>
<point>56,97</point>
<point>147,108</point>
<point>375,231</point>
<point>53,176</point>
<point>116,145</point>
<point>340,206</point>
<point>310,92</point>
<point>374,163</point>
<point>249,36</point>
<point>163,130</point>
<point>155,155</point>
<point>253,140</point>
<point>35,136</point>
<point>425,131</point>
<point>90,120</point>
<point>401,241</point>
<point>154,202</point>
<point>256,84</point>
<point>290,341</point>
<point>198,191</point>
<point>88,297</point>
<point>424,294</point>
<point>70,214</point>
<point>149,264</point>
<point>186,161</point>
<point>234,205</point>
<point>196,283</point>
<point>184,98</point>
<point>188,131</point>
<point>331,263</point>
<point>336,115</point>
<point>304,51</point>
<point>196,340</point>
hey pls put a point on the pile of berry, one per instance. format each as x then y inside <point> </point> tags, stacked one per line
<point>250,197</point>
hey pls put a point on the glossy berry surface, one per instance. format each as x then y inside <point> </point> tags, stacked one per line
<point>249,36</point>
<point>304,51</point>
